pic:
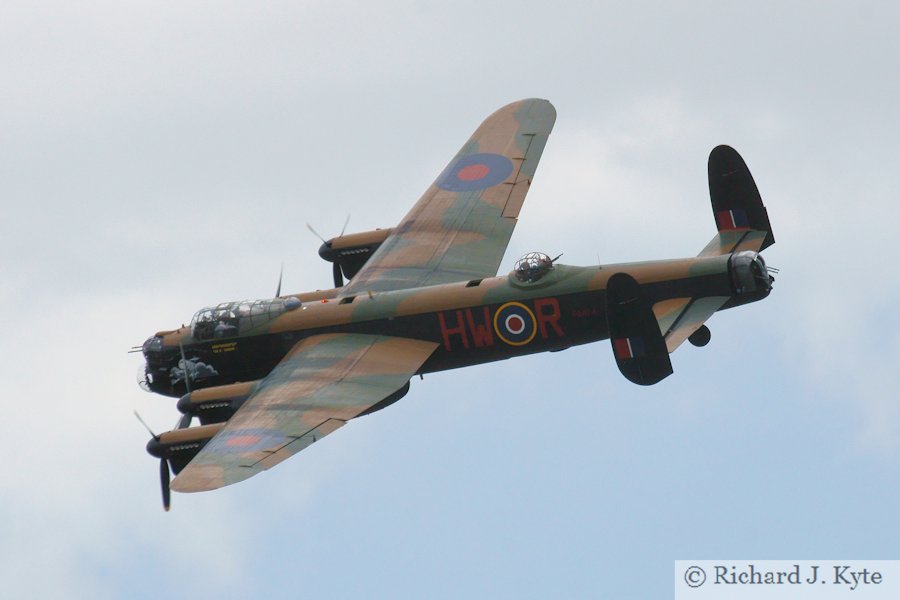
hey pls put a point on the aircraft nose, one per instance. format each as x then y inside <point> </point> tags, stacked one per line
<point>152,348</point>
<point>144,378</point>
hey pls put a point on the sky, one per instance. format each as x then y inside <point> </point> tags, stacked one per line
<point>157,157</point>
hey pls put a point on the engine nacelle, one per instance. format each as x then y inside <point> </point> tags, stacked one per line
<point>350,252</point>
<point>180,446</point>
<point>216,404</point>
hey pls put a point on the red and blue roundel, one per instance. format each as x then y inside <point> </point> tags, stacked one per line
<point>514,323</point>
<point>248,440</point>
<point>475,172</point>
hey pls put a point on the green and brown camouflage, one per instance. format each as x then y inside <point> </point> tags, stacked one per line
<point>281,373</point>
<point>461,226</point>
<point>331,378</point>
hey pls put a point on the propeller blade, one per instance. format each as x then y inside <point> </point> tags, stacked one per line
<point>164,482</point>
<point>144,423</point>
<point>344,228</point>
<point>315,233</point>
<point>187,372</point>
<point>184,422</point>
<point>338,276</point>
<point>280,274</point>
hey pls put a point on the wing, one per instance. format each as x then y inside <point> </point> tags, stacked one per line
<point>323,382</point>
<point>460,227</point>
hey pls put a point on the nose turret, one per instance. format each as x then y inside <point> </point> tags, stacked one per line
<point>154,376</point>
<point>152,348</point>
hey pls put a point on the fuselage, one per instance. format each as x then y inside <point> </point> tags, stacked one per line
<point>473,322</point>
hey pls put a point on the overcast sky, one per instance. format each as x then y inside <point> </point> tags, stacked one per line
<point>156,157</point>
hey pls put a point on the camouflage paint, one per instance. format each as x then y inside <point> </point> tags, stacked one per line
<point>428,300</point>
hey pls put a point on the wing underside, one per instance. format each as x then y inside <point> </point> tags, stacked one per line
<point>461,226</point>
<point>322,383</point>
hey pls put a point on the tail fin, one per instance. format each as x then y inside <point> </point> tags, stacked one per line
<point>743,224</point>
<point>741,218</point>
<point>634,333</point>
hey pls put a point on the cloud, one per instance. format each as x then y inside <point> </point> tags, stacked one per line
<point>73,496</point>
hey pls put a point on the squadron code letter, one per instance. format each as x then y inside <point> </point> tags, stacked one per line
<point>786,579</point>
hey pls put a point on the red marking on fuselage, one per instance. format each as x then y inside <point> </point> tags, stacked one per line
<point>482,334</point>
<point>459,330</point>
<point>472,326</point>
<point>547,312</point>
<point>473,172</point>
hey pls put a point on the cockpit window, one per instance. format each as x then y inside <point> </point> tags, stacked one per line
<point>230,319</point>
<point>532,267</point>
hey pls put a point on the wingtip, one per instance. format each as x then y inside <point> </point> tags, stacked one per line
<point>539,102</point>
<point>190,485</point>
<point>529,105</point>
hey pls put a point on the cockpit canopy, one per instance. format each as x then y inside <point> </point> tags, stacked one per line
<point>230,319</point>
<point>532,267</point>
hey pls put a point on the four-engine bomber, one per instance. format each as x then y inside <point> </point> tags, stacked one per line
<point>266,378</point>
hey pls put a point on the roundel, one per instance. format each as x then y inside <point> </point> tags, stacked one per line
<point>475,172</point>
<point>249,440</point>
<point>514,324</point>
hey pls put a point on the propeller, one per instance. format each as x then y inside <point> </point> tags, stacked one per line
<point>164,484</point>
<point>147,427</point>
<point>187,372</point>
<point>336,273</point>
<point>315,233</point>
<point>163,467</point>
<point>280,274</point>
